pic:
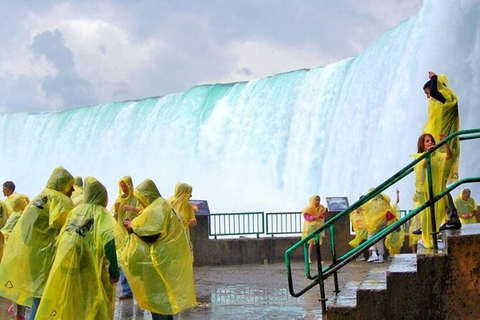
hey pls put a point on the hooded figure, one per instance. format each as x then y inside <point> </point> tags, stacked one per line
<point>466,206</point>
<point>375,212</point>
<point>181,204</point>
<point>157,259</point>
<point>3,221</point>
<point>17,203</point>
<point>30,250</point>
<point>443,118</point>
<point>81,282</point>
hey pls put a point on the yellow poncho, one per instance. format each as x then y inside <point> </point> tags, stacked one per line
<point>3,220</point>
<point>375,212</point>
<point>181,205</point>
<point>414,225</point>
<point>158,261</point>
<point>79,285</point>
<point>17,203</point>
<point>394,241</point>
<point>466,207</point>
<point>438,161</point>
<point>30,250</point>
<point>316,215</point>
<point>358,223</point>
<point>443,118</point>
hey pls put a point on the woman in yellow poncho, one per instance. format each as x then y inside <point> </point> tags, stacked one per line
<point>466,207</point>
<point>181,205</point>
<point>313,214</point>
<point>30,250</point>
<point>158,261</point>
<point>81,284</point>
<point>438,161</point>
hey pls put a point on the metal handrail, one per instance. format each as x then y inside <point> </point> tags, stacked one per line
<point>284,223</point>
<point>338,263</point>
<point>245,223</point>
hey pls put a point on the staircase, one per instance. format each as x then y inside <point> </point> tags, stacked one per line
<point>432,284</point>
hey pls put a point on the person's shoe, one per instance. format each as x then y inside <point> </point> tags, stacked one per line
<point>379,260</point>
<point>373,257</point>
<point>417,232</point>
<point>360,258</point>
<point>125,296</point>
<point>451,225</point>
<point>390,258</point>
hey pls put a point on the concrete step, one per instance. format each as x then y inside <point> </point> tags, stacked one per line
<point>372,294</point>
<point>344,305</point>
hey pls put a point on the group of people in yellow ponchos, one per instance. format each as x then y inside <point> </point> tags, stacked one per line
<point>60,258</point>
<point>377,213</point>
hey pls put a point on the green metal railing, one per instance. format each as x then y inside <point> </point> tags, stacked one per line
<point>234,224</point>
<point>339,262</point>
<point>284,223</point>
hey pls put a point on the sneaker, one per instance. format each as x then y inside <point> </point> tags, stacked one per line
<point>360,258</point>
<point>449,225</point>
<point>440,245</point>
<point>390,258</point>
<point>417,232</point>
<point>379,260</point>
<point>373,257</point>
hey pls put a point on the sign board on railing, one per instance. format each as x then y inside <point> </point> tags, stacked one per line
<point>337,204</point>
<point>200,207</point>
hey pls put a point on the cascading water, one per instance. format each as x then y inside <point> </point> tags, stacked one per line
<point>269,144</point>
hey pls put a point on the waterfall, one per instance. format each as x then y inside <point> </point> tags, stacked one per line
<point>269,144</point>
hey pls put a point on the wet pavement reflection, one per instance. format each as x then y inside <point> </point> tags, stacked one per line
<point>245,292</point>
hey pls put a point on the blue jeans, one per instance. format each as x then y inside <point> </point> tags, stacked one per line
<point>126,291</point>
<point>33,311</point>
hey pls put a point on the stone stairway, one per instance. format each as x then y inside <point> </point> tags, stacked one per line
<point>432,284</point>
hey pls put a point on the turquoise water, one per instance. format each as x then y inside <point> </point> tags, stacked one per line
<point>268,144</point>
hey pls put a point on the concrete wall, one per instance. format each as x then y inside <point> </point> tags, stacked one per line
<point>209,252</point>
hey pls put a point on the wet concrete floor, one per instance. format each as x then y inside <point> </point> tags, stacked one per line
<point>247,292</point>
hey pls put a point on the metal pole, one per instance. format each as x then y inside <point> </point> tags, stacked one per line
<point>334,257</point>
<point>432,204</point>
<point>321,282</point>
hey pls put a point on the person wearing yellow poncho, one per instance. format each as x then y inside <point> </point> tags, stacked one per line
<point>30,250</point>
<point>414,225</point>
<point>181,205</point>
<point>3,221</point>
<point>122,209</point>
<point>81,284</point>
<point>438,161</point>
<point>77,194</point>
<point>466,207</point>
<point>376,212</point>
<point>313,214</point>
<point>361,234</point>
<point>158,261</point>
<point>443,120</point>
<point>394,240</point>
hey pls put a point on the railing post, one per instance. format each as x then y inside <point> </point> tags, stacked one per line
<point>334,257</point>
<point>432,204</point>
<point>321,283</point>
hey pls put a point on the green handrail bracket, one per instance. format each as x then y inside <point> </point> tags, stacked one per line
<point>339,262</point>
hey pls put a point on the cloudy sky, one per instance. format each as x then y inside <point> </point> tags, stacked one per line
<point>62,54</point>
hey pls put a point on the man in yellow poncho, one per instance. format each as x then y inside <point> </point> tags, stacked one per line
<point>443,119</point>
<point>377,212</point>
<point>157,260</point>
<point>81,284</point>
<point>122,209</point>
<point>181,205</point>
<point>314,215</point>
<point>77,194</point>
<point>466,207</point>
<point>30,250</point>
